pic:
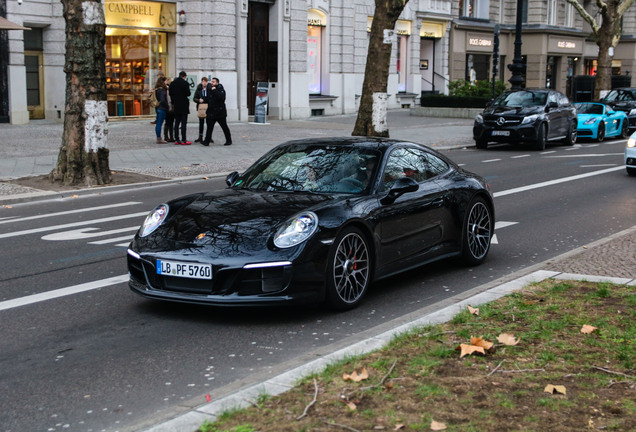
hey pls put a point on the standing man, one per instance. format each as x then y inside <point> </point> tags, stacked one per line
<point>199,95</point>
<point>216,112</point>
<point>180,96</point>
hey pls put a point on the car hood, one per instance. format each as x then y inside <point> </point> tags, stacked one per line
<point>584,117</point>
<point>513,111</point>
<point>228,222</point>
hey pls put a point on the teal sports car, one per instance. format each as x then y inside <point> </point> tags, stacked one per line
<point>598,121</point>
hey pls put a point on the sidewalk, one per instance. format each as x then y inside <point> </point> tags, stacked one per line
<point>32,150</point>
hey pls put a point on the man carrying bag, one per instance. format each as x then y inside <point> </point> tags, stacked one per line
<point>200,93</point>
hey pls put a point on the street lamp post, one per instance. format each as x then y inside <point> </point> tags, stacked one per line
<point>517,67</point>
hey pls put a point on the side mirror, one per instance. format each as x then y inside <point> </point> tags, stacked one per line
<point>553,105</point>
<point>231,178</point>
<point>399,188</point>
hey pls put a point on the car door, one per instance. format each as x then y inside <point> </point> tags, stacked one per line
<point>557,116</point>
<point>412,225</point>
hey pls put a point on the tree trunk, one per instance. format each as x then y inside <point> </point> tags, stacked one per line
<point>83,156</point>
<point>371,119</point>
<point>603,81</point>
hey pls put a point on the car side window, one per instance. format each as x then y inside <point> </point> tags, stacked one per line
<point>552,98</point>
<point>414,163</point>
<point>563,100</point>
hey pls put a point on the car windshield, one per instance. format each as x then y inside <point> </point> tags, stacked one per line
<point>585,108</point>
<point>521,99</point>
<point>318,169</point>
<point>618,96</point>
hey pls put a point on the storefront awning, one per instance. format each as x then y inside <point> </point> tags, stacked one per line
<point>5,24</point>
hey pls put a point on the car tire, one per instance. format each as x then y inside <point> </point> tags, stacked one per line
<point>570,138</point>
<point>625,129</point>
<point>481,144</point>
<point>542,137</point>
<point>348,270</point>
<point>631,171</point>
<point>600,134</point>
<point>477,232</point>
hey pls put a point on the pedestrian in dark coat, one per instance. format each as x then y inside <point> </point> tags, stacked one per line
<point>216,112</point>
<point>180,96</point>
<point>199,94</point>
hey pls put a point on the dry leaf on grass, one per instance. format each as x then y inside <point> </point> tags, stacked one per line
<point>351,405</point>
<point>587,329</point>
<point>478,341</point>
<point>470,350</point>
<point>507,339</point>
<point>474,311</point>
<point>399,426</point>
<point>554,389</point>
<point>437,426</point>
<point>355,377</point>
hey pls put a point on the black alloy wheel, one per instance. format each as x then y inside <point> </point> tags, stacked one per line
<point>624,129</point>
<point>349,270</point>
<point>600,135</point>
<point>570,138</point>
<point>542,137</point>
<point>477,232</point>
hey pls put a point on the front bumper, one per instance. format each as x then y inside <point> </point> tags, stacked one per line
<point>509,133</point>
<point>630,157</point>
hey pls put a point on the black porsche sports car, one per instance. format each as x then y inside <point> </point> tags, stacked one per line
<point>313,220</point>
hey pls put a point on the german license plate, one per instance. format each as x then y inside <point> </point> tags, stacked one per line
<point>500,133</point>
<point>184,269</point>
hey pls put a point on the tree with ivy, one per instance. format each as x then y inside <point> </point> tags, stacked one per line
<point>606,34</point>
<point>83,156</point>
<point>371,120</point>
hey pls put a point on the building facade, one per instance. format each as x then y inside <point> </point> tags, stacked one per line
<point>311,53</point>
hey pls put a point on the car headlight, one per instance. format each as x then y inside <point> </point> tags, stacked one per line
<point>631,142</point>
<point>530,119</point>
<point>479,119</point>
<point>154,219</point>
<point>591,120</point>
<point>296,230</point>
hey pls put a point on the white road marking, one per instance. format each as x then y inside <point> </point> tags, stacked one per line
<point>548,152</point>
<point>555,181</point>
<point>72,225</point>
<point>113,240</point>
<point>499,225</point>
<point>596,166</point>
<point>21,219</point>
<point>588,155</point>
<point>83,234</point>
<point>35,298</point>
<point>490,160</point>
<point>520,156</point>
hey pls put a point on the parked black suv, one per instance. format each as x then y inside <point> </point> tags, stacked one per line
<point>533,116</point>
<point>623,99</point>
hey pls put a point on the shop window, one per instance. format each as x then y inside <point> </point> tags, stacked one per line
<point>550,72</point>
<point>402,51</point>
<point>134,60</point>
<point>315,30</point>
<point>477,67</point>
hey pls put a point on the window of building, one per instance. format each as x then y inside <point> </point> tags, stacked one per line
<point>569,15</point>
<point>402,44</point>
<point>477,67</point>
<point>134,59</point>
<point>474,8</point>
<point>552,12</point>
<point>550,72</point>
<point>316,22</point>
<point>524,11</point>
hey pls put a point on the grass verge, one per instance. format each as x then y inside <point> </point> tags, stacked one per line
<point>560,375</point>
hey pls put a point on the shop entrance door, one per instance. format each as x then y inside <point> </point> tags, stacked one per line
<point>33,62</point>
<point>257,50</point>
<point>427,65</point>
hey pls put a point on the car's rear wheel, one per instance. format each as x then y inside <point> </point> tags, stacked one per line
<point>570,138</point>
<point>600,135</point>
<point>349,270</point>
<point>542,137</point>
<point>631,171</point>
<point>625,129</point>
<point>477,232</point>
<point>481,144</point>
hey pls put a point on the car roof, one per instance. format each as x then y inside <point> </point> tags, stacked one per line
<point>379,143</point>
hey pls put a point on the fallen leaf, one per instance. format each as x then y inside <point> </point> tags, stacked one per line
<point>437,426</point>
<point>507,339</point>
<point>587,329</point>
<point>474,311</point>
<point>355,377</point>
<point>478,341</point>
<point>352,406</point>
<point>399,426</point>
<point>470,349</point>
<point>554,389</point>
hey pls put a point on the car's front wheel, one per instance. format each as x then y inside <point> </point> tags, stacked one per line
<point>542,137</point>
<point>600,135</point>
<point>349,269</point>
<point>477,232</point>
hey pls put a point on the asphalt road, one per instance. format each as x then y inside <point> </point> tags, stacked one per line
<point>81,352</point>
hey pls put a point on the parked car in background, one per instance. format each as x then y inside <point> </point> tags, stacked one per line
<point>599,121</point>
<point>534,116</point>
<point>630,155</point>
<point>313,220</point>
<point>623,99</point>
